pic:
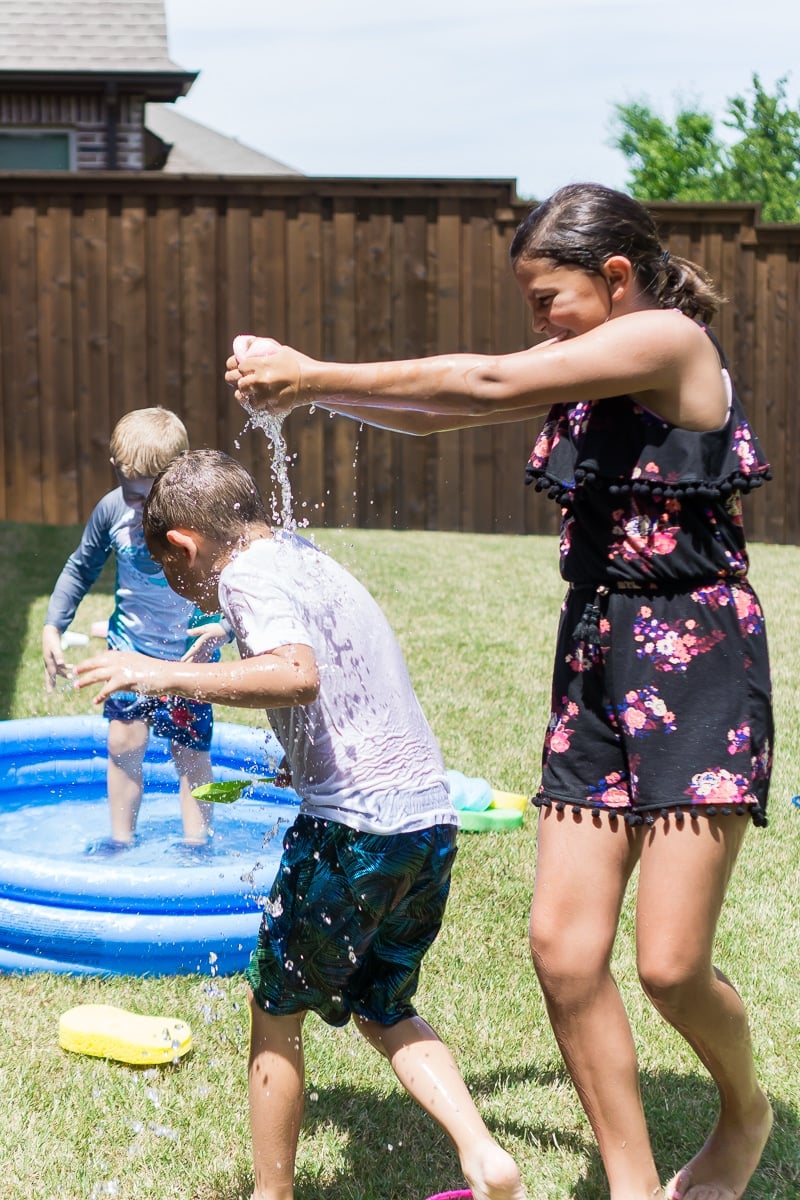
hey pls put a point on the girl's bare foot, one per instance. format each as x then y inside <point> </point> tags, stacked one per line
<point>724,1166</point>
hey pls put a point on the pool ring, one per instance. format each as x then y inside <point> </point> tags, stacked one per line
<point>104,1031</point>
<point>174,913</point>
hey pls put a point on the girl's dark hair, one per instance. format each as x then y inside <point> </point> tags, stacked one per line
<point>585,224</point>
<point>206,491</point>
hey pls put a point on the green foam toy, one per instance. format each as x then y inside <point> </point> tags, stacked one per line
<point>228,790</point>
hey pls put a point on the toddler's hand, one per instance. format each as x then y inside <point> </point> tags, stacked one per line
<point>208,638</point>
<point>54,664</point>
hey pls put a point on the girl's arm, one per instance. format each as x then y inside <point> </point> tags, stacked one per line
<point>411,421</point>
<point>660,356</point>
<point>285,677</point>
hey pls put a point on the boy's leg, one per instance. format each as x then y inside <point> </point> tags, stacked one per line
<point>582,869</point>
<point>276,1078</point>
<point>127,743</point>
<point>428,1072</point>
<point>683,877</point>
<point>194,768</point>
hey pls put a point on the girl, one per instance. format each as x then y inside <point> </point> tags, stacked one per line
<point>659,743</point>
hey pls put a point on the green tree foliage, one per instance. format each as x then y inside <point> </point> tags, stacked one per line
<point>689,160</point>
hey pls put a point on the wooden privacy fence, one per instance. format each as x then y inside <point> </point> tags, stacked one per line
<point>124,290</point>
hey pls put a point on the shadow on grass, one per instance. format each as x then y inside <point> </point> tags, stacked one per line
<point>396,1152</point>
<point>31,557</point>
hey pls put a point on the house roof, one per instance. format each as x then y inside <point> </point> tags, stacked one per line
<point>97,36</point>
<point>197,149</point>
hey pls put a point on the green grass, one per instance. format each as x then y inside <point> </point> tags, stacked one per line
<point>476,616</point>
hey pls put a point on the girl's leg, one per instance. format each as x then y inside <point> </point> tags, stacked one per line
<point>127,743</point>
<point>428,1072</point>
<point>683,877</point>
<point>583,866</point>
<point>194,768</point>
<point>276,1077</point>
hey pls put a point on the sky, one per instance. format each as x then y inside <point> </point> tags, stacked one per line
<point>488,89</point>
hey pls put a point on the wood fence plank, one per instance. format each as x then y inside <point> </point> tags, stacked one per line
<point>164,306</point>
<point>90,349</point>
<point>200,366</point>
<point>375,342</point>
<point>305,437</point>
<point>446,284</point>
<point>339,331</point>
<point>235,309</point>
<point>477,489</point>
<point>412,338</point>
<point>22,411</point>
<point>57,407</point>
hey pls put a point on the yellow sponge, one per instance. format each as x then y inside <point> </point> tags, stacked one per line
<point>109,1032</point>
<point>509,800</point>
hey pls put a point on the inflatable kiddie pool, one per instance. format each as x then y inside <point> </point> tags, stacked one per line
<point>158,908</point>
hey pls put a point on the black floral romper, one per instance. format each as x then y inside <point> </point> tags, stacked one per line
<point>661,701</point>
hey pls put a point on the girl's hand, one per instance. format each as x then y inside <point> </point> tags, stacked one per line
<point>123,671</point>
<point>265,374</point>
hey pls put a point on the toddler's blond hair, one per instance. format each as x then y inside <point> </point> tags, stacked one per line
<point>146,440</point>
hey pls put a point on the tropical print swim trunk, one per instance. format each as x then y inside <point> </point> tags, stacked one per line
<point>349,919</point>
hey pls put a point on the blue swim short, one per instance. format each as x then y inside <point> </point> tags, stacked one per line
<point>187,722</point>
<point>349,920</point>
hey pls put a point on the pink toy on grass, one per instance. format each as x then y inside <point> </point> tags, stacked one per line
<point>451,1196</point>
<point>247,345</point>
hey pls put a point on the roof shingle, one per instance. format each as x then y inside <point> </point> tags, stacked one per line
<point>89,35</point>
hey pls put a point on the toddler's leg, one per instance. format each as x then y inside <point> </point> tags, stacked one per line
<point>127,743</point>
<point>194,768</point>
<point>276,1077</point>
<point>428,1072</point>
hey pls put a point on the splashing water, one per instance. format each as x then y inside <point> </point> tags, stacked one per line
<point>272,424</point>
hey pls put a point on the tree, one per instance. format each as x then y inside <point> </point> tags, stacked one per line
<point>688,160</point>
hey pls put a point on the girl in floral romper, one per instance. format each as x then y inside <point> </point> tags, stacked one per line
<point>659,744</point>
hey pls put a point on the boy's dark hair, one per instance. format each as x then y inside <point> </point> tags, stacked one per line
<point>585,224</point>
<point>205,491</point>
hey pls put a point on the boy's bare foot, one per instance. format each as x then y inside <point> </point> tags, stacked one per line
<point>724,1166</point>
<point>492,1173</point>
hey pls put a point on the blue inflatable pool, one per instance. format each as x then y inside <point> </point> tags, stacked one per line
<point>156,909</point>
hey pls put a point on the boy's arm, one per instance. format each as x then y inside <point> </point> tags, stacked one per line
<point>283,678</point>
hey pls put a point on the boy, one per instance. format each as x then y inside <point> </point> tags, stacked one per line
<point>149,617</point>
<point>361,890</point>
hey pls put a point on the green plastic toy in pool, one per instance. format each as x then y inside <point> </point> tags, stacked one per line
<point>226,791</point>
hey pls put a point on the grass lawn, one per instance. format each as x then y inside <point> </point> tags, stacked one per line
<point>476,616</point>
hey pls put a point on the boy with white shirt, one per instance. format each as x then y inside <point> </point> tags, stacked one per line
<point>361,890</point>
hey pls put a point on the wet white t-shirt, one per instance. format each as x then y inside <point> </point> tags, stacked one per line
<point>362,753</point>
